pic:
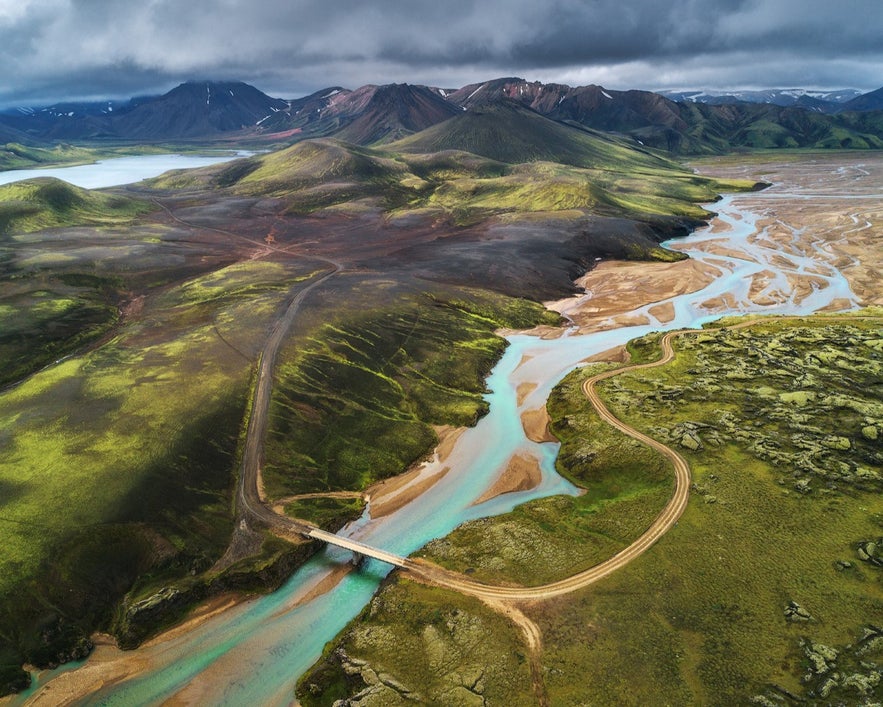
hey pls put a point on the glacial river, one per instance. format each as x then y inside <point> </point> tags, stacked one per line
<point>255,652</point>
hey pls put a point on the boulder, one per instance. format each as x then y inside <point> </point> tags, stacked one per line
<point>837,442</point>
<point>821,658</point>
<point>795,612</point>
<point>690,441</point>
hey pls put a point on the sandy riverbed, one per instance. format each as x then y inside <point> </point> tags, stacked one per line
<point>848,234</point>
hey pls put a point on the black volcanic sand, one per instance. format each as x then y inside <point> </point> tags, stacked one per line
<point>535,257</point>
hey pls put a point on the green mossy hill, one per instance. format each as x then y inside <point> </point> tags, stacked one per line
<point>44,317</point>
<point>35,204</point>
<point>355,400</point>
<point>17,156</point>
<point>433,635</point>
<point>510,133</point>
<point>552,187</point>
<point>116,469</point>
<point>612,178</point>
<point>767,591</point>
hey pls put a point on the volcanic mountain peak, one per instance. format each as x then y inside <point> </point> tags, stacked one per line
<point>368,115</point>
<point>385,113</point>
<point>198,109</point>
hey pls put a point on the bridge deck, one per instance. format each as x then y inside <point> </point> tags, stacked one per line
<point>358,547</point>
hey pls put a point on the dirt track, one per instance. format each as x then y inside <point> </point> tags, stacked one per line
<point>666,520</point>
<point>661,525</point>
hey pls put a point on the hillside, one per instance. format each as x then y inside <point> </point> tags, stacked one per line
<point>396,111</point>
<point>367,116</point>
<point>36,204</point>
<point>503,159</point>
<point>508,132</point>
<point>866,102</point>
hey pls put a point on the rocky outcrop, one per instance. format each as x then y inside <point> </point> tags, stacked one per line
<point>141,618</point>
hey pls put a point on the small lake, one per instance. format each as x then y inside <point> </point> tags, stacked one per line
<point>121,170</point>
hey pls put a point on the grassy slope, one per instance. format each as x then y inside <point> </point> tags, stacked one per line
<point>17,156</point>
<point>46,312</point>
<point>35,204</point>
<point>600,176</point>
<point>44,317</point>
<point>704,612</point>
<point>355,400</point>
<point>116,466</point>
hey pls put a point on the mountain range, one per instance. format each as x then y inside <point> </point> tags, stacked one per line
<point>823,101</point>
<point>682,123</point>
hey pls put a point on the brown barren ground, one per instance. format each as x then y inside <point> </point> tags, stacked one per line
<point>848,233</point>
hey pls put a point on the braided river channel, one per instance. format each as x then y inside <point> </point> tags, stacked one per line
<point>254,652</point>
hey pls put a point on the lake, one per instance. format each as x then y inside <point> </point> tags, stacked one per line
<point>121,170</point>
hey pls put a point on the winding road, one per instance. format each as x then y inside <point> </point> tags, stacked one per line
<point>661,525</point>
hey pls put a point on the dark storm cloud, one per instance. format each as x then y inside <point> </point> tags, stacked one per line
<point>52,49</point>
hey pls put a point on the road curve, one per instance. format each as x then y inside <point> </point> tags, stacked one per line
<point>426,571</point>
<point>661,525</point>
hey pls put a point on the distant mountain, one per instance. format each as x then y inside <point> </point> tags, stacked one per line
<point>653,120</point>
<point>202,109</point>
<point>373,115</point>
<point>70,121</point>
<point>824,101</point>
<point>10,134</point>
<point>866,102</point>
<point>367,116</point>
<point>198,109</point>
<point>647,117</point>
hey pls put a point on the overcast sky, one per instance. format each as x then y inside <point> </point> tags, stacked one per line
<point>55,49</point>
